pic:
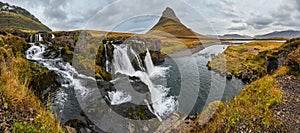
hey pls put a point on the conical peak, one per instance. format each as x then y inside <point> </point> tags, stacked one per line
<point>170,14</point>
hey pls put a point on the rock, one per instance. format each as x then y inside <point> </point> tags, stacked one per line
<point>145,129</point>
<point>5,106</point>
<point>271,64</point>
<point>228,75</point>
<point>70,129</point>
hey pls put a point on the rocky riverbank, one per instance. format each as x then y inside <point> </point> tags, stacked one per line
<point>251,61</point>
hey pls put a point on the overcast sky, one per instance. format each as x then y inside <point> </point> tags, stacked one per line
<point>250,17</point>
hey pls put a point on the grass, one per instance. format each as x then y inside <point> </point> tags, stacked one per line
<point>252,107</point>
<point>244,57</point>
<point>15,74</point>
<point>16,21</point>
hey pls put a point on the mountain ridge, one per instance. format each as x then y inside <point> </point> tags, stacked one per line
<point>284,34</point>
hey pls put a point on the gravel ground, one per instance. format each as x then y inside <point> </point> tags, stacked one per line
<point>10,115</point>
<point>289,111</point>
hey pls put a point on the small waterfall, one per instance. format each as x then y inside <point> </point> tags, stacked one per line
<point>137,57</point>
<point>36,38</point>
<point>163,105</point>
<point>149,63</point>
<point>106,58</point>
<point>31,37</point>
<point>121,61</point>
<point>40,37</point>
<point>52,36</point>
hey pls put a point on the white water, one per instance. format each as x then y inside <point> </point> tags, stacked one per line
<point>106,58</point>
<point>154,71</point>
<point>162,104</point>
<point>118,97</point>
<point>137,57</point>
<point>63,69</point>
<point>37,38</point>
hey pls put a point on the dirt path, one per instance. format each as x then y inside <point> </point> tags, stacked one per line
<point>288,112</point>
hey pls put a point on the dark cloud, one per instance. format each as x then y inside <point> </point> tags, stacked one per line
<point>237,28</point>
<point>297,5</point>
<point>259,22</point>
<point>236,21</point>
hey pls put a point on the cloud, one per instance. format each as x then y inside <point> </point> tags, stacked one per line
<point>238,28</point>
<point>62,14</point>
<point>259,22</point>
<point>205,16</point>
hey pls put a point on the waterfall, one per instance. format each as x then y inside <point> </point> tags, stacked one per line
<point>137,57</point>
<point>106,58</point>
<point>36,38</point>
<point>40,37</point>
<point>64,70</point>
<point>121,61</point>
<point>163,105</point>
<point>52,36</point>
<point>149,63</point>
<point>31,41</point>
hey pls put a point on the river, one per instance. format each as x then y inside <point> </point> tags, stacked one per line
<point>180,84</point>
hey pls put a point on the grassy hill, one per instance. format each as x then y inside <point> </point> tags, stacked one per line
<point>16,18</point>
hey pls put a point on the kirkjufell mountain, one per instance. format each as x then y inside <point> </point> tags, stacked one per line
<point>14,17</point>
<point>169,23</point>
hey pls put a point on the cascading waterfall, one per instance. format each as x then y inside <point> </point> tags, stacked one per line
<point>162,104</point>
<point>64,70</point>
<point>137,57</point>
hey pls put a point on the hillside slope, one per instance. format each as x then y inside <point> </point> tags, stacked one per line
<point>13,17</point>
<point>170,24</point>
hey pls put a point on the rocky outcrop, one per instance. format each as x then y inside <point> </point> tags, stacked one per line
<point>128,109</point>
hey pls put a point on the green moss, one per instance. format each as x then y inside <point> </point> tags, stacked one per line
<point>27,128</point>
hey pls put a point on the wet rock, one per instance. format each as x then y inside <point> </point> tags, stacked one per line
<point>271,64</point>
<point>228,75</point>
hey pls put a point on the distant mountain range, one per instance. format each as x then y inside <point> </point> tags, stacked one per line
<point>275,34</point>
<point>13,17</point>
<point>231,36</point>
<point>284,34</point>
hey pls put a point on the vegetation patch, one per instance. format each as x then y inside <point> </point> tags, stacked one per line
<point>15,74</point>
<point>251,110</point>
